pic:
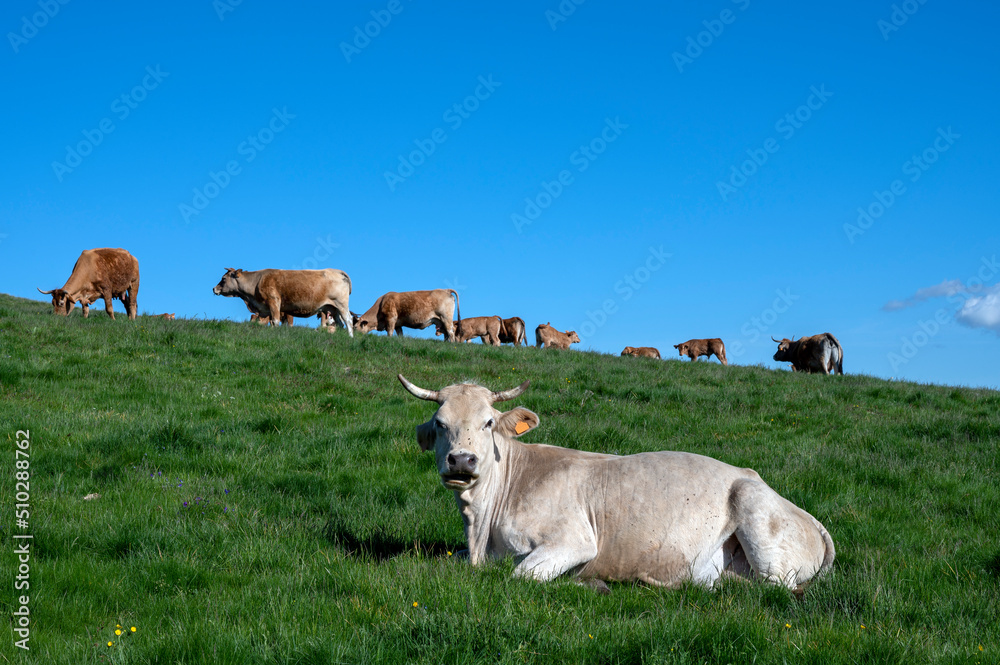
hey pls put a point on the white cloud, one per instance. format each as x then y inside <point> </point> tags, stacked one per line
<point>949,287</point>
<point>982,311</point>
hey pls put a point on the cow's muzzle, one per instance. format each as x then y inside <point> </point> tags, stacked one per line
<point>462,471</point>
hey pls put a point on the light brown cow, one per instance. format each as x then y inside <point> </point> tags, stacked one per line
<point>394,311</point>
<point>693,348</point>
<point>282,294</point>
<point>106,273</point>
<point>487,328</point>
<point>662,518</point>
<point>166,317</point>
<point>547,337</point>
<point>513,331</point>
<point>641,352</point>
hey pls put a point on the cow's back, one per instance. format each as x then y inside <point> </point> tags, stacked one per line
<point>304,290</point>
<point>106,267</point>
<point>652,513</point>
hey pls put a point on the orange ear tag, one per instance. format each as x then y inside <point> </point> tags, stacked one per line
<point>521,427</point>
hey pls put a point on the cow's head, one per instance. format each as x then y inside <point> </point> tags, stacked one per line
<point>785,352</point>
<point>682,349</point>
<point>229,284</point>
<point>62,302</point>
<point>573,337</point>
<point>361,324</point>
<point>464,430</point>
<point>628,351</point>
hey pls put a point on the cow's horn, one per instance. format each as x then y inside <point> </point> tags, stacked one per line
<point>504,395</point>
<point>417,391</point>
<point>775,340</point>
<point>45,292</point>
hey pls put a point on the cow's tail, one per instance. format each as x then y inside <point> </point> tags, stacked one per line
<point>523,335</point>
<point>840,354</point>
<point>830,552</point>
<point>347,278</point>
<point>458,308</point>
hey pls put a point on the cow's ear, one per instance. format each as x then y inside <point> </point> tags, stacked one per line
<point>516,422</point>
<point>426,436</point>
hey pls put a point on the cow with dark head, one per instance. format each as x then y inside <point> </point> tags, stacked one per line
<point>818,354</point>
<point>275,296</point>
<point>106,273</point>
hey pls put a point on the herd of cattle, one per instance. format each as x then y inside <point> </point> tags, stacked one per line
<point>658,517</point>
<point>277,296</point>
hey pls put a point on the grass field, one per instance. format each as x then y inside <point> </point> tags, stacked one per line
<point>263,500</point>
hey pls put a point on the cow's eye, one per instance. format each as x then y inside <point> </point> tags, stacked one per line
<point>489,424</point>
<point>439,424</point>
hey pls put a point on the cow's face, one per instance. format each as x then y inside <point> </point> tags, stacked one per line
<point>784,352</point>
<point>573,337</point>
<point>62,302</point>
<point>229,284</point>
<point>464,431</point>
<point>628,351</point>
<point>682,349</point>
<point>363,326</point>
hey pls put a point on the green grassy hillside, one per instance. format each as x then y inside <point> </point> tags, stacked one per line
<point>263,500</point>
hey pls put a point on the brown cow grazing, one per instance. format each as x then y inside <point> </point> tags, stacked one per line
<point>547,337</point>
<point>166,317</point>
<point>487,328</point>
<point>282,294</point>
<point>99,273</point>
<point>693,348</point>
<point>819,354</point>
<point>513,331</point>
<point>412,309</point>
<point>641,351</point>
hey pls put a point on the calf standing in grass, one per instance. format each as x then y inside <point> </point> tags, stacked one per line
<point>693,348</point>
<point>547,337</point>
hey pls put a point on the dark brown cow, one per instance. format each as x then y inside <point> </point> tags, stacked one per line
<point>394,311</point>
<point>641,351</point>
<point>818,354</point>
<point>513,331</point>
<point>99,273</point>
<point>282,294</point>
<point>547,337</point>
<point>487,328</point>
<point>693,348</point>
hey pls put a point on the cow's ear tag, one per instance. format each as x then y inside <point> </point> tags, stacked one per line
<point>521,427</point>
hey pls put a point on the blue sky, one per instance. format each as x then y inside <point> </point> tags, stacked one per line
<point>643,174</point>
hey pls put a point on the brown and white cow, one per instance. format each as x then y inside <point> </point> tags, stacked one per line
<point>513,331</point>
<point>282,294</point>
<point>106,273</point>
<point>487,328</point>
<point>547,337</point>
<point>662,518</point>
<point>693,348</point>
<point>641,351</point>
<point>818,354</point>
<point>394,311</point>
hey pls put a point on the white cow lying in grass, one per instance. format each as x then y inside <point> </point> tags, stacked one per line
<point>662,518</point>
